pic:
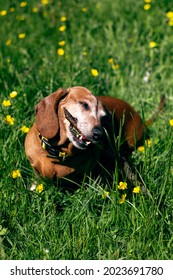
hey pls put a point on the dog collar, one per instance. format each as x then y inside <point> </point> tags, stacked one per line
<point>54,151</point>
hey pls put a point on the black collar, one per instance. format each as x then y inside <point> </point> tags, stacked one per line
<point>54,151</point>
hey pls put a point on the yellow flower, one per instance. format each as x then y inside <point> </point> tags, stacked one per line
<point>21,18</point>
<point>8,42</point>
<point>23,4</point>
<point>84,10</point>
<point>123,198</point>
<point>35,10</point>
<point>84,53</point>
<point>45,2</point>
<point>141,149</point>
<point>170,22</point>
<point>169,14</point>
<point>24,129</point>
<point>6,103</point>
<point>147,1</point>
<point>147,7</point>
<point>15,174</point>
<point>148,142</point>
<point>13,94</point>
<point>21,35</point>
<point>61,43</point>
<point>152,44</point>
<point>3,13</point>
<point>94,72</point>
<point>39,188</point>
<point>63,18</point>
<point>136,189</point>
<point>9,120</point>
<point>60,52</point>
<point>110,60</point>
<point>12,9</point>
<point>105,194</point>
<point>122,186</point>
<point>171,122</point>
<point>62,28</point>
<point>115,66</point>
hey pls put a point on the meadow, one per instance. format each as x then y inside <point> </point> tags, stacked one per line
<point>119,48</point>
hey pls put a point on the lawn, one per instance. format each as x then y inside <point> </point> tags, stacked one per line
<point>119,48</point>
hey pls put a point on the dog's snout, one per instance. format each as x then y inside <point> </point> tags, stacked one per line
<point>97,133</point>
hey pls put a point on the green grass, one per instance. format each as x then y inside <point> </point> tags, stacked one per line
<point>57,224</point>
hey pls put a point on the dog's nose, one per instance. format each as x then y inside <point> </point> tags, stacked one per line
<point>97,133</point>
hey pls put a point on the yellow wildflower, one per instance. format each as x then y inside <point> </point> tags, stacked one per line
<point>115,66</point>
<point>62,28</point>
<point>169,14</point>
<point>39,188</point>
<point>60,52</point>
<point>21,35</point>
<point>6,103</point>
<point>122,186</point>
<point>45,2</point>
<point>84,10</point>
<point>63,18</point>
<point>110,60</point>
<point>141,149</point>
<point>136,189</point>
<point>147,7</point>
<point>12,9</point>
<point>84,53</point>
<point>94,72</point>
<point>170,22</point>
<point>23,4</point>
<point>21,18</point>
<point>105,194</point>
<point>13,94</point>
<point>148,142</point>
<point>123,198</point>
<point>15,174</point>
<point>147,1</point>
<point>35,10</point>
<point>152,44</point>
<point>9,120</point>
<point>61,43</point>
<point>3,13</point>
<point>171,122</point>
<point>24,129</point>
<point>8,42</point>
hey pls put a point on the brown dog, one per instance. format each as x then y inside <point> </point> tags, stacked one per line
<point>74,130</point>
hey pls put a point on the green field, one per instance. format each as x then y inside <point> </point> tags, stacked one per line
<point>45,45</point>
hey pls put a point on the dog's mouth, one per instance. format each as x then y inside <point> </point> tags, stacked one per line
<point>79,136</point>
<point>80,140</point>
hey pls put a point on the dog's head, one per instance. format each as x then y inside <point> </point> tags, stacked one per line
<point>74,113</point>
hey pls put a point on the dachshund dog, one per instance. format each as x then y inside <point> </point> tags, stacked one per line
<point>74,130</point>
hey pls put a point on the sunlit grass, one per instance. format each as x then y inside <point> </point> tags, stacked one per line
<point>117,48</point>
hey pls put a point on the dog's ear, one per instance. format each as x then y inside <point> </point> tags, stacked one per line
<point>46,113</point>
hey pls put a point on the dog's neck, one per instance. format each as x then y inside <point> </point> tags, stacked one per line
<point>58,151</point>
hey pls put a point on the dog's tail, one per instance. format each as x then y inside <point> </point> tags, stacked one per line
<point>160,109</point>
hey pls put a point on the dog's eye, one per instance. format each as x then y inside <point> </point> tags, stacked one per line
<point>85,105</point>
